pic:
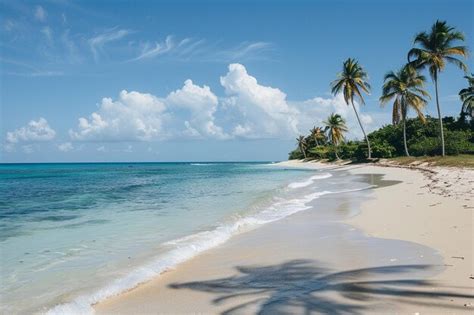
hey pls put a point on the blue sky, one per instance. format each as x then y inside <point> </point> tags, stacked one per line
<point>197,80</point>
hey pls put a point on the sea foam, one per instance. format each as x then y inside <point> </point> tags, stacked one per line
<point>189,246</point>
<point>309,181</point>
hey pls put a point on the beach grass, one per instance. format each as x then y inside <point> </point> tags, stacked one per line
<point>462,160</point>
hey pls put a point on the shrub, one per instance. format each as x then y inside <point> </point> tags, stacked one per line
<point>320,152</point>
<point>425,146</point>
<point>295,155</point>
<point>347,150</point>
<point>382,149</point>
<point>459,142</point>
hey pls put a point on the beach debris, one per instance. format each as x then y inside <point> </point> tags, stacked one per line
<point>471,277</point>
<point>458,257</point>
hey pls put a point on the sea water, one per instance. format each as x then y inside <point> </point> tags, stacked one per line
<point>74,234</point>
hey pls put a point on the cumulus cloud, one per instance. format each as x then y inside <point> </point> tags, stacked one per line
<point>248,110</point>
<point>200,105</point>
<point>133,116</point>
<point>40,13</point>
<point>263,110</point>
<point>316,110</point>
<point>65,147</point>
<point>36,131</point>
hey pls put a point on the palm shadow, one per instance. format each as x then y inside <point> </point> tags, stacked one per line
<point>298,286</point>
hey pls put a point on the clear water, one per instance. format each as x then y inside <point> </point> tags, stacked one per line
<point>74,234</point>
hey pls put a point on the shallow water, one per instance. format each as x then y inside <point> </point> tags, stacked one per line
<point>65,224</point>
<point>74,234</point>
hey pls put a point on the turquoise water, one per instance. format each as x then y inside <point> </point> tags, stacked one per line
<point>74,234</point>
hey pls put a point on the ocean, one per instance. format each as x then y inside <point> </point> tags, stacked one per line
<point>74,234</point>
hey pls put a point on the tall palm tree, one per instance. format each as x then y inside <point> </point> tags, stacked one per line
<point>467,98</point>
<point>435,49</point>
<point>351,81</point>
<point>317,133</point>
<point>302,145</point>
<point>336,126</point>
<point>406,87</point>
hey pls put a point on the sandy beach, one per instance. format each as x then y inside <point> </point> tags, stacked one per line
<point>404,247</point>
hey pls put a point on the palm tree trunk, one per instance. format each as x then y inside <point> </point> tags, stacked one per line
<point>316,140</point>
<point>439,115</point>
<point>405,136</point>
<point>303,151</point>
<point>363,131</point>
<point>335,151</point>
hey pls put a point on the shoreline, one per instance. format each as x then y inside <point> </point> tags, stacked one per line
<point>451,245</point>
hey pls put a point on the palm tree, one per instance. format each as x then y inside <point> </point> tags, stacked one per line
<point>350,82</point>
<point>336,126</point>
<point>318,134</point>
<point>437,48</point>
<point>467,98</point>
<point>406,88</point>
<point>302,145</point>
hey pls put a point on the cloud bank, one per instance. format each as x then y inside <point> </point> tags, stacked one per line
<point>247,110</point>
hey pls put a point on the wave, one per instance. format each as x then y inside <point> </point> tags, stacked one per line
<point>189,246</point>
<point>202,164</point>
<point>309,181</point>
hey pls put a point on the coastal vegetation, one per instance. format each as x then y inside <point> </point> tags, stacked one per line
<point>405,90</point>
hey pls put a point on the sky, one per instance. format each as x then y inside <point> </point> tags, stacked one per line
<point>85,81</point>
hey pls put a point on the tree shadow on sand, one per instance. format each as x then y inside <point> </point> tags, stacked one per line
<point>299,287</point>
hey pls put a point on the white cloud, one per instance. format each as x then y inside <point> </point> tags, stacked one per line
<point>134,116</point>
<point>98,42</point>
<point>249,110</point>
<point>35,131</point>
<point>315,111</point>
<point>40,13</point>
<point>245,51</point>
<point>65,147</point>
<point>201,105</point>
<point>101,149</point>
<point>150,51</point>
<point>263,110</point>
<point>199,49</point>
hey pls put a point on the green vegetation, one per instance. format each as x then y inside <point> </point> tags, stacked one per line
<point>406,87</point>
<point>350,82</point>
<point>436,48</point>
<point>387,142</point>
<point>463,160</point>
<point>423,136</point>
<point>336,126</point>
<point>467,98</point>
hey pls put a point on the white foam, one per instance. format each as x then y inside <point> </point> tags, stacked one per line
<point>188,247</point>
<point>309,181</point>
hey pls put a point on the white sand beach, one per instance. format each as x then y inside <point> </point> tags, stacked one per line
<point>409,250</point>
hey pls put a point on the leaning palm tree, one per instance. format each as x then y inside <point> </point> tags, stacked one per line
<point>317,133</point>
<point>336,126</point>
<point>302,145</point>
<point>467,98</point>
<point>351,81</point>
<point>435,49</point>
<point>406,87</point>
